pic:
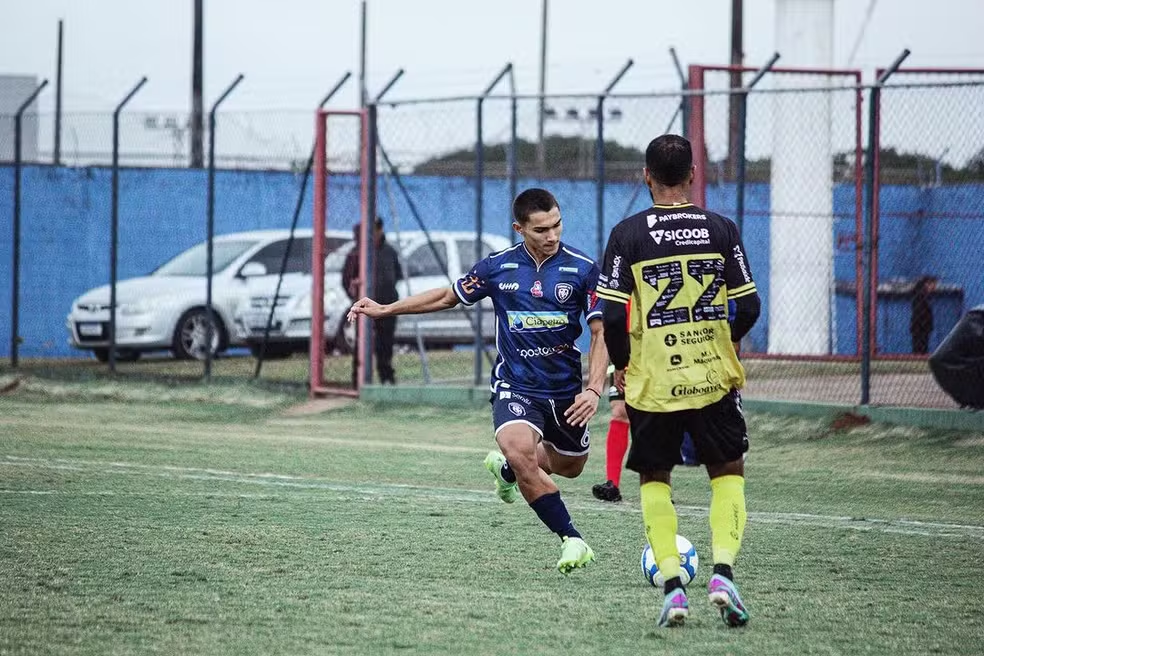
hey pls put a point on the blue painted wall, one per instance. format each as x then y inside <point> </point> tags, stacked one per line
<point>66,218</point>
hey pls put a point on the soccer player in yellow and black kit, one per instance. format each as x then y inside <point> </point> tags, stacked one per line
<point>686,273</point>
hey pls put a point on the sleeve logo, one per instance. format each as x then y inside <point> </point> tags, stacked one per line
<point>470,283</point>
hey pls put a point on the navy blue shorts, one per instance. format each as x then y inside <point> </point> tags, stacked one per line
<point>545,416</point>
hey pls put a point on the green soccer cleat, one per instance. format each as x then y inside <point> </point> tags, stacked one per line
<point>574,552</point>
<point>505,490</point>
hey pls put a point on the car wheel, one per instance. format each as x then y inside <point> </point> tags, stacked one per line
<point>101,354</point>
<point>190,339</point>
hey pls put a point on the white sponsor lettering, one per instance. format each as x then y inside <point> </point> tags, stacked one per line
<point>740,260</point>
<point>676,216</point>
<point>616,267</point>
<point>510,265</point>
<point>509,286</point>
<point>682,236</point>
<point>570,269</point>
<point>544,351</point>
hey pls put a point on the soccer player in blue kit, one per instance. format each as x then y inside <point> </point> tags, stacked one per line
<point>541,403</point>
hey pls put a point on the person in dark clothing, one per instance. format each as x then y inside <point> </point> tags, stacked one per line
<point>958,363</point>
<point>922,322</point>
<point>387,273</point>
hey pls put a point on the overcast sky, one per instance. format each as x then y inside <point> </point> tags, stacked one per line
<point>292,51</point>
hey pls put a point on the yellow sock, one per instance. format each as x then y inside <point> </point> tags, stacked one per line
<point>728,516</point>
<point>660,526</point>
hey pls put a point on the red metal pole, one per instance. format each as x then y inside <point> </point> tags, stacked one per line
<point>319,222</point>
<point>696,135</point>
<point>367,228</point>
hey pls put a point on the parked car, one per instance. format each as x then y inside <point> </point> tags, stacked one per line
<point>164,311</point>
<point>291,322</point>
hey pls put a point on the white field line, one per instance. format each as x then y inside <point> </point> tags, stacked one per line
<point>374,491</point>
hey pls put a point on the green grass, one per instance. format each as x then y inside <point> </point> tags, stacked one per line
<point>228,524</point>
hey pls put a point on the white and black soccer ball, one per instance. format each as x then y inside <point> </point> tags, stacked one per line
<point>689,563</point>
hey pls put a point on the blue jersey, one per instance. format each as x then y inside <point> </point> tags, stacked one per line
<point>538,312</point>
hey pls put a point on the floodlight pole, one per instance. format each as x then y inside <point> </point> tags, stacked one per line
<point>209,321</point>
<point>114,256</point>
<point>600,157</point>
<point>16,170</point>
<point>871,214</point>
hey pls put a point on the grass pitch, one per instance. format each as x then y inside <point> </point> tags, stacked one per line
<point>233,525</point>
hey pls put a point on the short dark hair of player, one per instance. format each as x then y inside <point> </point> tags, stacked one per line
<point>669,159</point>
<point>531,201</point>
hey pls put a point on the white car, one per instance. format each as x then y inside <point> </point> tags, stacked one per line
<point>291,323</point>
<point>164,311</point>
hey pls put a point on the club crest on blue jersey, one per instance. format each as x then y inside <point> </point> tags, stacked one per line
<point>563,291</point>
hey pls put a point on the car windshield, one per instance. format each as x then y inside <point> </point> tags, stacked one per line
<point>194,261</point>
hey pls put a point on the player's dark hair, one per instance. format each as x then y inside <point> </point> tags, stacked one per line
<point>531,201</point>
<point>669,159</point>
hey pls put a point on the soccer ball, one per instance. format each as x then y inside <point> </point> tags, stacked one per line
<point>689,563</point>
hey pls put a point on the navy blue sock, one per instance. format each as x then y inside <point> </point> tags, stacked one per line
<point>552,511</point>
<point>506,473</point>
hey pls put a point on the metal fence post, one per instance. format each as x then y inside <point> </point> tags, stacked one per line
<point>600,159</point>
<point>479,250</point>
<point>113,274</point>
<point>513,173</point>
<point>292,231</point>
<point>872,209</point>
<point>368,191</point>
<point>683,98</point>
<point>742,139</point>
<point>209,321</point>
<point>17,160</point>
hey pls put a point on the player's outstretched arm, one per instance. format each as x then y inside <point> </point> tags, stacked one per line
<point>432,300</point>
<point>584,407</point>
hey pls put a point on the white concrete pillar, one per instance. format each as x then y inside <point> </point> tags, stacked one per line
<point>801,288</point>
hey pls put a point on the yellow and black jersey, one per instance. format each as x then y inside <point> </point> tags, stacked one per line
<point>679,266</point>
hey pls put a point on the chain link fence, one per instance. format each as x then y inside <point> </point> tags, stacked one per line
<point>799,198</point>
